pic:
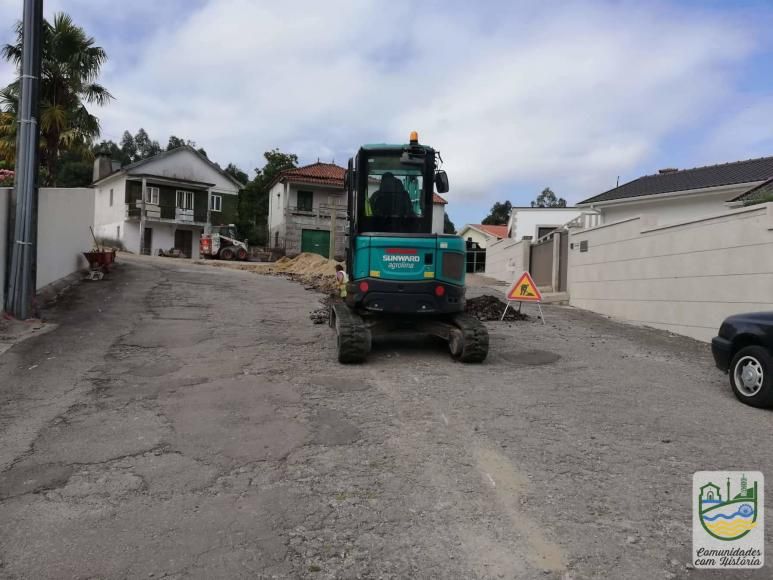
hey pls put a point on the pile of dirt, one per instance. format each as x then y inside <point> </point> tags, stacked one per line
<point>311,270</point>
<point>491,308</point>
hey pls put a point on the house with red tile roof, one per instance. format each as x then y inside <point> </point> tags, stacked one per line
<point>302,202</point>
<point>483,234</point>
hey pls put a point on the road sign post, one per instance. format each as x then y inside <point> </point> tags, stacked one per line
<point>524,290</point>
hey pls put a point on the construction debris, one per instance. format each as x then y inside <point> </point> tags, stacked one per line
<point>311,270</point>
<point>318,273</point>
<point>489,307</point>
<point>320,315</point>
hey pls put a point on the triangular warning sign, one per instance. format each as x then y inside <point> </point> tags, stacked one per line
<point>524,290</point>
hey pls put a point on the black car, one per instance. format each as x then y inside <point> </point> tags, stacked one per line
<point>744,350</point>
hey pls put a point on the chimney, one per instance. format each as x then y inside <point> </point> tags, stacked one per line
<point>103,166</point>
<point>667,170</point>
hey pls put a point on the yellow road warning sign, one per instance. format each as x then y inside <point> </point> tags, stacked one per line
<point>524,290</point>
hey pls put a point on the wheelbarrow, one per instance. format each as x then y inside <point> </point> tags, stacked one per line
<point>100,263</point>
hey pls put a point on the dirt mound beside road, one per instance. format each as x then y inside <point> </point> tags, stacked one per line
<point>309,269</point>
<point>489,307</point>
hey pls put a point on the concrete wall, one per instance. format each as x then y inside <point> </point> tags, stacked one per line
<point>163,237</point>
<point>685,278</point>
<point>525,221</point>
<point>64,218</point>
<point>108,218</point>
<point>5,199</point>
<point>507,258</point>
<point>438,218</point>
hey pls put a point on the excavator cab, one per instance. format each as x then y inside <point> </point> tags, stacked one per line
<point>402,274</point>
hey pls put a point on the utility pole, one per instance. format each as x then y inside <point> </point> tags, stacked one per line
<point>23,248</point>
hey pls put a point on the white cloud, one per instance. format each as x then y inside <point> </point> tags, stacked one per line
<point>566,94</point>
<point>743,135</point>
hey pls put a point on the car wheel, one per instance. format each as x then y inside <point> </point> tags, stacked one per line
<point>751,376</point>
<point>226,254</point>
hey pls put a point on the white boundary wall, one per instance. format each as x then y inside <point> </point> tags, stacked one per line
<point>5,203</point>
<point>64,217</point>
<point>507,258</point>
<point>685,278</point>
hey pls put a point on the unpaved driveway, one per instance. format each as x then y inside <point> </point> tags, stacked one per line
<point>187,421</point>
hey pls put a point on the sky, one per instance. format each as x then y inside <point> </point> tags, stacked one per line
<point>516,95</point>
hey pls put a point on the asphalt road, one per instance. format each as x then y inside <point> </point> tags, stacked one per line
<point>186,421</point>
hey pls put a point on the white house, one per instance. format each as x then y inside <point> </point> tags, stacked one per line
<point>673,196</point>
<point>534,222</point>
<point>482,234</point>
<point>301,205</point>
<point>166,201</point>
<point>438,214</point>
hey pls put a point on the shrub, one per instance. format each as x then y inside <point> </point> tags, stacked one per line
<point>6,178</point>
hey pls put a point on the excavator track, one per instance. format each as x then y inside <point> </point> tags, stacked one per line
<point>468,341</point>
<point>354,338</point>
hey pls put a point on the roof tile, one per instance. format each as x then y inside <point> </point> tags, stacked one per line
<point>322,173</point>
<point>737,172</point>
<point>498,231</point>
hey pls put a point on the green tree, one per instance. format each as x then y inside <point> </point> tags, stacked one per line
<point>75,170</point>
<point>253,199</point>
<point>448,225</point>
<point>175,142</point>
<point>128,148</point>
<point>236,173</point>
<point>138,147</point>
<point>146,147</point>
<point>548,199</point>
<point>70,67</point>
<point>113,150</point>
<point>500,213</point>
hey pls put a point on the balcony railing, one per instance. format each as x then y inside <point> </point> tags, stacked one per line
<point>166,213</point>
<point>322,210</point>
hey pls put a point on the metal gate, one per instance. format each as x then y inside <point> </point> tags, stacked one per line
<point>541,261</point>
<point>542,254</point>
<point>563,262</point>
<point>316,241</point>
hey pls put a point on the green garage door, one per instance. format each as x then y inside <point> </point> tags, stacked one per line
<point>316,241</point>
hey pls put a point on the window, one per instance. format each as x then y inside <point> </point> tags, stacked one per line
<point>151,195</point>
<point>544,230</point>
<point>396,196</point>
<point>111,198</point>
<point>305,200</point>
<point>216,203</point>
<point>184,199</point>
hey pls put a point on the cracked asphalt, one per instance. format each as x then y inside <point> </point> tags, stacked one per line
<point>186,421</point>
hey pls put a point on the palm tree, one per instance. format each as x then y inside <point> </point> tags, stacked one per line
<point>69,70</point>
